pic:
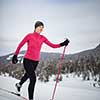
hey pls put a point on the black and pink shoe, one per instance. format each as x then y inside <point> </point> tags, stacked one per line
<point>18,86</point>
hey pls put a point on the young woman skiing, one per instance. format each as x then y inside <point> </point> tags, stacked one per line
<point>32,56</point>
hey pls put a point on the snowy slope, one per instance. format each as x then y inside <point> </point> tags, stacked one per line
<point>68,89</point>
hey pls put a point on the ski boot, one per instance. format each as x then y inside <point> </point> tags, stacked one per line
<point>18,86</point>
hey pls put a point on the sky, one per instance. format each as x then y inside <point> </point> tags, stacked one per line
<point>77,20</point>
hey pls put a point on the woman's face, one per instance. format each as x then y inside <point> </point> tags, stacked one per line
<point>39,29</point>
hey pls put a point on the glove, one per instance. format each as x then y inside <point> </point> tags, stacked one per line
<point>14,59</point>
<point>65,43</point>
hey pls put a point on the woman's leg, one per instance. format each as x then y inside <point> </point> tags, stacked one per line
<point>24,78</point>
<point>30,67</point>
<point>31,85</point>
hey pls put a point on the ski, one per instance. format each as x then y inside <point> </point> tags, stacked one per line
<point>14,93</point>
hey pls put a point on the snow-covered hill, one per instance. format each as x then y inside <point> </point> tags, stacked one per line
<point>69,89</point>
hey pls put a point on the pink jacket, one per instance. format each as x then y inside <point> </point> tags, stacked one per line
<point>34,42</point>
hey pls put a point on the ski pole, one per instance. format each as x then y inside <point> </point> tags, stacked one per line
<point>59,69</point>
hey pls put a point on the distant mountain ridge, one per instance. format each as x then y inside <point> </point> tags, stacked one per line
<point>47,56</point>
<point>92,52</point>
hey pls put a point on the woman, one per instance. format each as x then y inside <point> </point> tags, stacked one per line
<point>32,56</point>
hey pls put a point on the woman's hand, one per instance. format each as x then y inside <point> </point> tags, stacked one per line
<point>65,43</point>
<point>14,59</point>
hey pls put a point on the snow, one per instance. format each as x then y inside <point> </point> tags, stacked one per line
<point>68,89</point>
<point>10,56</point>
<point>19,57</point>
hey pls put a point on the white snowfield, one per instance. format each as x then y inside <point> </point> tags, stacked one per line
<point>68,89</point>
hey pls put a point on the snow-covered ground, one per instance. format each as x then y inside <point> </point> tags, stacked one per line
<point>69,89</point>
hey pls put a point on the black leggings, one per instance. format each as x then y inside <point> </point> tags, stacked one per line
<point>30,67</point>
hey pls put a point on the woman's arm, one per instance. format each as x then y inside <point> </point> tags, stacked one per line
<point>51,44</point>
<point>21,44</point>
<point>65,43</point>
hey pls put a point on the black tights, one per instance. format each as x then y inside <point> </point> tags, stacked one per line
<point>30,67</point>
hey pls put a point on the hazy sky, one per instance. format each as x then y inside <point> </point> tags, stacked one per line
<point>78,20</point>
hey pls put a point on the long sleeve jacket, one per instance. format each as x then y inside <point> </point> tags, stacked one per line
<point>34,43</point>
